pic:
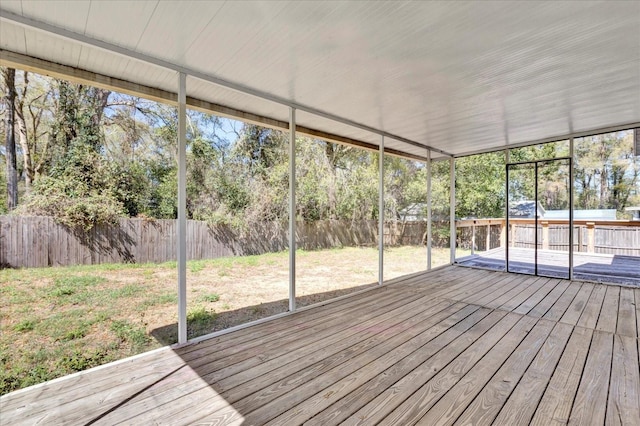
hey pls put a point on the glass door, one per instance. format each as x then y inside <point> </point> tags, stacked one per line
<point>521,241</point>
<point>539,218</point>
<point>553,225</point>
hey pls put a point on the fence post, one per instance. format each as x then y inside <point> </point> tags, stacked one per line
<point>488,241</point>
<point>473,237</point>
<point>503,234</point>
<point>545,235</point>
<point>591,237</point>
<point>580,228</point>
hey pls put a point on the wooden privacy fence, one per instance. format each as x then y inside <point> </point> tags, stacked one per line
<point>620,237</point>
<point>27,241</point>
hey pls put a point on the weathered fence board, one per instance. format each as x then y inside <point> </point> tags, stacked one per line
<point>40,241</point>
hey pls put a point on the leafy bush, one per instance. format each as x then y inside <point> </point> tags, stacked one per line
<point>70,204</point>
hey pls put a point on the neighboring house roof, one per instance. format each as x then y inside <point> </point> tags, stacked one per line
<point>525,209</point>
<point>415,211</point>
<point>592,214</point>
<point>635,210</point>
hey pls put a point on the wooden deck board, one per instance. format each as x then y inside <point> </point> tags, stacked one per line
<point>526,306</point>
<point>521,405</point>
<point>624,391</point>
<point>557,400</point>
<point>421,368</point>
<point>428,393</point>
<point>486,406</point>
<point>626,314</point>
<point>457,398</point>
<point>609,314</point>
<point>574,311</point>
<point>591,312</point>
<point>430,341</point>
<point>455,345</point>
<point>550,299</point>
<point>338,390</point>
<point>590,405</point>
<point>560,307</point>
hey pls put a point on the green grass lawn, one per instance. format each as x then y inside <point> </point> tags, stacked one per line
<point>55,321</point>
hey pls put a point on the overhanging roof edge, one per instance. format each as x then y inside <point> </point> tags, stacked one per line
<point>41,66</point>
<point>81,38</point>
<point>574,135</point>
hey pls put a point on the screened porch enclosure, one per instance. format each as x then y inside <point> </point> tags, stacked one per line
<point>568,216</point>
<point>415,86</point>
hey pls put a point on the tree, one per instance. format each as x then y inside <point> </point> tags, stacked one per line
<point>9,77</point>
<point>607,173</point>
<point>480,185</point>
<point>78,189</point>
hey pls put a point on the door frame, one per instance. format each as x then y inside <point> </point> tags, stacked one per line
<point>536,178</point>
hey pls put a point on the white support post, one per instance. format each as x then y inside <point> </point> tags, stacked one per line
<point>452,209</point>
<point>381,213</point>
<point>507,235</point>
<point>182,208</point>
<point>571,206</point>
<point>292,209</point>
<point>428,210</point>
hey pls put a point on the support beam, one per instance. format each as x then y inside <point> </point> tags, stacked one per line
<point>292,209</point>
<point>429,210</point>
<point>381,213</point>
<point>182,208</point>
<point>505,236</point>
<point>452,210</point>
<point>536,219</point>
<point>571,206</point>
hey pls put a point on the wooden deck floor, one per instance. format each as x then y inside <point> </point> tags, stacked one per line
<point>452,346</point>
<point>607,268</point>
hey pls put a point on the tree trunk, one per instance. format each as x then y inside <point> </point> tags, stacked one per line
<point>9,75</point>
<point>21,125</point>
<point>26,150</point>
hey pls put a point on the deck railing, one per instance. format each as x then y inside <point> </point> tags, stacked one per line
<point>620,237</point>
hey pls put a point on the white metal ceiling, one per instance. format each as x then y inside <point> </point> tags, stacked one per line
<point>461,77</point>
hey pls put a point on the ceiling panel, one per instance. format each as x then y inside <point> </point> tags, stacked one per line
<point>13,37</point>
<point>70,15</point>
<point>12,5</point>
<point>219,95</point>
<point>54,49</point>
<point>173,28</point>
<point>132,21</point>
<point>461,76</point>
<point>329,126</point>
